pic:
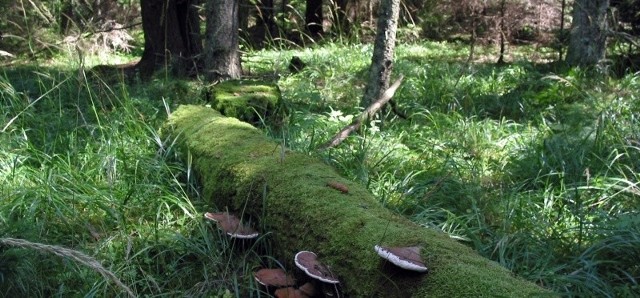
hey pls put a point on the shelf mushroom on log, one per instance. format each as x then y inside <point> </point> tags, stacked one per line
<point>403,257</point>
<point>274,278</point>
<point>290,292</point>
<point>308,262</point>
<point>232,225</point>
<point>286,192</point>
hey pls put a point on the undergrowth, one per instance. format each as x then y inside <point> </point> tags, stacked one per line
<point>534,166</point>
<point>94,202</point>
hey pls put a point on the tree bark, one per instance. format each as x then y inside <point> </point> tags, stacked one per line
<point>244,12</point>
<point>267,17</point>
<point>313,17</point>
<point>383,49</point>
<point>588,37</point>
<point>561,35</point>
<point>502,33</point>
<point>171,35</point>
<point>292,202</point>
<point>265,27</point>
<point>222,58</point>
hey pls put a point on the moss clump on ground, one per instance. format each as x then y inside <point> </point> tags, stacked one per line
<point>247,100</point>
<point>289,198</point>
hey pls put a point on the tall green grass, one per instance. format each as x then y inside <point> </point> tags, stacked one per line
<point>94,201</point>
<point>534,166</point>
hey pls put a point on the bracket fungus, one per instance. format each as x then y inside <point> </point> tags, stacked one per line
<point>232,225</point>
<point>276,278</point>
<point>308,289</point>
<point>290,292</point>
<point>403,257</point>
<point>305,291</point>
<point>308,262</point>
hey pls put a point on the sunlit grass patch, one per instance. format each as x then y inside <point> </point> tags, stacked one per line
<point>532,165</point>
<point>84,168</point>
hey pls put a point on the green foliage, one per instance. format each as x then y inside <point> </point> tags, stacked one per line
<point>82,168</point>
<point>534,166</point>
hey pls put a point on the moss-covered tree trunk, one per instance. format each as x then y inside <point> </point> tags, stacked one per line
<point>287,195</point>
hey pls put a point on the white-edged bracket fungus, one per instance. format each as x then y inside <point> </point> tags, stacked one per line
<point>276,278</point>
<point>403,257</point>
<point>232,225</point>
<point>308,262</point>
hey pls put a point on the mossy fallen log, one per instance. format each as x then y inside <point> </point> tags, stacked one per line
<point>248,100</point>
<point>291,198</point>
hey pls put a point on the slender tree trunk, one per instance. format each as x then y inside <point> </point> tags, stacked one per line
<point>384,47</point>
<point>472,43</point>
<point>244,12</point>
<point>561,34</point>
<point>502,32</point>
<point>267,16</point>
<point>313,17</point>
<point>283,13</point>
<point>588,38</point>
<point>222,59</point>
<point>171,35</point>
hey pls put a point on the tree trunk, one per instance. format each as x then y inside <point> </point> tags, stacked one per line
<point>222,59</point>
<point>588,37</point>
<point>561,38</point>
<point>502,33</point>
<point>313,17</point>
<point>383,49</point>
<point>290,199</point>
<point>265,27</point>
<point>171,35</point>
<point>266,16</point>
<point>244,12</point>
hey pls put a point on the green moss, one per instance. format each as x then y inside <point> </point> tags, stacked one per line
<point>238,166</point>
<point>250,101</point>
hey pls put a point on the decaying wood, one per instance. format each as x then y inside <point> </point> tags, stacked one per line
<point>296,211</point>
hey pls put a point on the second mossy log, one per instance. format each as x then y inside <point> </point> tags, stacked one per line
<point>248,100</point>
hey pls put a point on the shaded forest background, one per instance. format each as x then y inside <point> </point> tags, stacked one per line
<point>40,29</point>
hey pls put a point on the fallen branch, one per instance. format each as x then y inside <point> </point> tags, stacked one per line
<point>365,116</point>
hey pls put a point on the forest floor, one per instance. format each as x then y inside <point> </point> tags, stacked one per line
<point>534,165</point>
